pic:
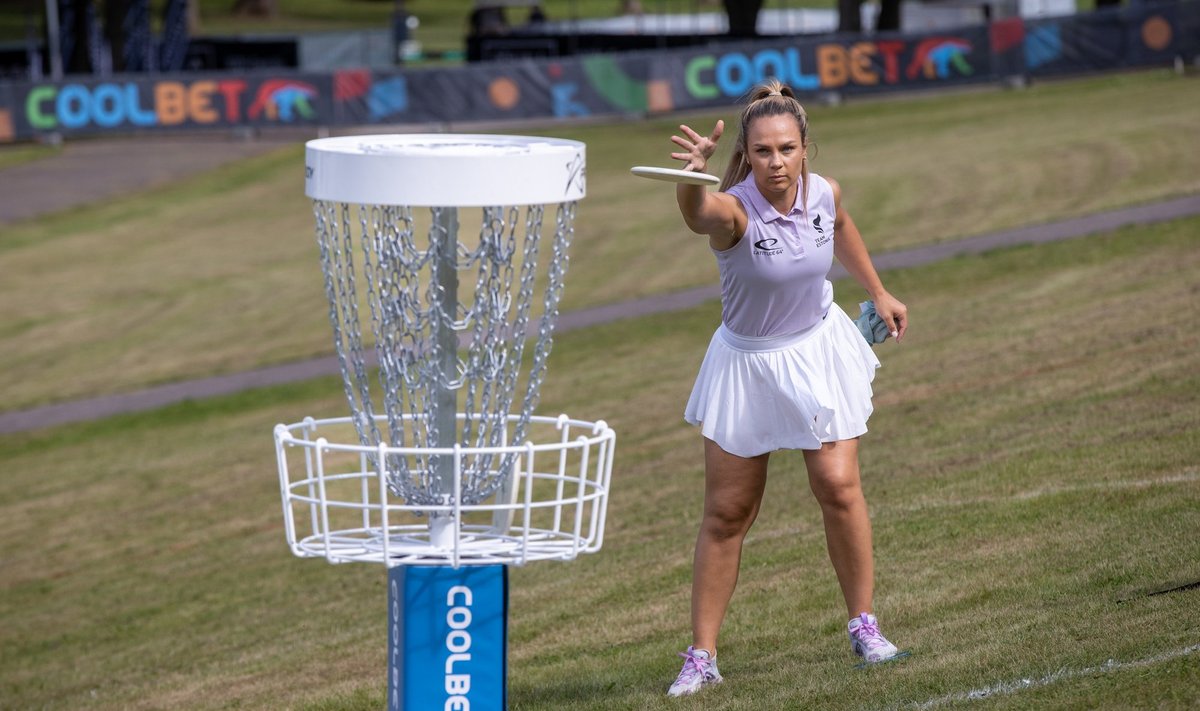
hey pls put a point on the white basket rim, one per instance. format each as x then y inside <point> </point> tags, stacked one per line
<point>446,170</point>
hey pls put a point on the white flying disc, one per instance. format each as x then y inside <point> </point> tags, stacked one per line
<point>674,175</point>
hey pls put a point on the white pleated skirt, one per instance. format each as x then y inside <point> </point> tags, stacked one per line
<point>757,395</point>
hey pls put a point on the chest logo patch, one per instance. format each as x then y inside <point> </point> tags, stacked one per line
<point>822,238</point>
<point>766,247</point>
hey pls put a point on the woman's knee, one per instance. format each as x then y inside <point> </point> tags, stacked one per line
<point>727,521</point>
<point>841,493</point>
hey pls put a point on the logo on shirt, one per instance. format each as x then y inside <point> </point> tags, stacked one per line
<point>765,247</point>
<point>822,238</point>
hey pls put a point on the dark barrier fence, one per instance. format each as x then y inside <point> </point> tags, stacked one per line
<point>630,83</point>
<point>527,44</point>
<point>241,53</point>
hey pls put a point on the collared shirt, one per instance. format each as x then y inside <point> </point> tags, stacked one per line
<point>774,281</point>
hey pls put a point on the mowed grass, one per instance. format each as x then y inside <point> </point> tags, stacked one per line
<point>12,155</point>
<point>220,273</point>
<point>1032,474</point>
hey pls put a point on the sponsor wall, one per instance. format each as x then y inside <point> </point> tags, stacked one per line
<point>606,84</point>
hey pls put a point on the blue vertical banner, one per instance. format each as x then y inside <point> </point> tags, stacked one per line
<point>447,638</point>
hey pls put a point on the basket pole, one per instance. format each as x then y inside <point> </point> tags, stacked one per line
<point>445,401</point>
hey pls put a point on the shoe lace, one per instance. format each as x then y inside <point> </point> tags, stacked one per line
<point>692,666</point>
<point>869,636</point>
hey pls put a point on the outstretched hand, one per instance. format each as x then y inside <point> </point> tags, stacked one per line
<point>697,149</point>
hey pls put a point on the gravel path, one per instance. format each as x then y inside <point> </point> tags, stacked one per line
<point>87,171</point>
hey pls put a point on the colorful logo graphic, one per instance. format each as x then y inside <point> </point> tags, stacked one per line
<point>565,105</point>
<point>1007,33</point>
<point>388,98</point>
<point>383,99</point>
<point>504,93</point>
<point>934,57</point>
<point>283,100</point>
<point>607,78</point>
<point>1156,33</point>
<point>1043,44</point>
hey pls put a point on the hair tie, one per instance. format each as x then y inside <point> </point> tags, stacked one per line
<point>774,93</point>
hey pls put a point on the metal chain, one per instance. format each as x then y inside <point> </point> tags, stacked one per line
<point>492,323</point>
<point>385,240</point>
<point>488,348</point>
<point>335,239</point>
<point>563,233</point>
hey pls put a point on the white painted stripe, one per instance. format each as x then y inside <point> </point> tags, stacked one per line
<point>1188,476</point>
<point>1010,687</point>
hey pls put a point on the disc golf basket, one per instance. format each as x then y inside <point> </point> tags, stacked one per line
<point>444,258</point>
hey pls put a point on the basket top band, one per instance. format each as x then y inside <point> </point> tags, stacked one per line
<point>445,170</point>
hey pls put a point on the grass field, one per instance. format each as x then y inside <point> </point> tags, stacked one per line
<point>18,154</point>
<point>1032,471</point>
<point>220,273</point>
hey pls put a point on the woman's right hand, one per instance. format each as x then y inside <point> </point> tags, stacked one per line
<point>697,149</point>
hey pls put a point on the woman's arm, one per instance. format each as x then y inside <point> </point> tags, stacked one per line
<point>851,251</point>
<point>718,215</point>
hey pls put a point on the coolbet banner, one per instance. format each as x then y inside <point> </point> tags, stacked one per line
<point>657,81</point>
<point>180,101</point>
<point>607,84</point>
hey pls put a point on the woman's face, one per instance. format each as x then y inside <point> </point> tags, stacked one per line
<point>776,154</point>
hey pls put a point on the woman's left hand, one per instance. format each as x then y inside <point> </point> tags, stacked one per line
<point>894,314</point>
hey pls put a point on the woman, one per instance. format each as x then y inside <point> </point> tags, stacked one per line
<point>787,369</point>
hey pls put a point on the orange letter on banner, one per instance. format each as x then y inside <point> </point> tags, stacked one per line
<point>169,103</point>
<point>860,64</point>
<point>199,96</point>
<point>831,65</point>
<point>232,90</point>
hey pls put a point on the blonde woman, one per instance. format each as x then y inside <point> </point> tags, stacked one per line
<point>786,369</point>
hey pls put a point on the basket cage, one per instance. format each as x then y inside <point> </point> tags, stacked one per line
<point>551,503</point>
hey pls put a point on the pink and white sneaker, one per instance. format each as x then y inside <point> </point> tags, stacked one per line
<point>868,642</point>
<point>699,670</point>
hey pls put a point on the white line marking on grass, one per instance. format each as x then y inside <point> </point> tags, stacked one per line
<point>1010,687</point>
<point>1190,476</point>
<point>1186,477</point>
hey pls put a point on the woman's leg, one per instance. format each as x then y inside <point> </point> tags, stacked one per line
<point>833,476</point>
<point>733,489</point>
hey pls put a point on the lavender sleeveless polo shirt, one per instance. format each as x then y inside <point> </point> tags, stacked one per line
<point>774,280</point>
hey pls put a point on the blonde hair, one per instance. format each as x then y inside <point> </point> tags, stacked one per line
<point>771,98</point>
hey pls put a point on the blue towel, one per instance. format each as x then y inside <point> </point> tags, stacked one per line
<point>870,325</point>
